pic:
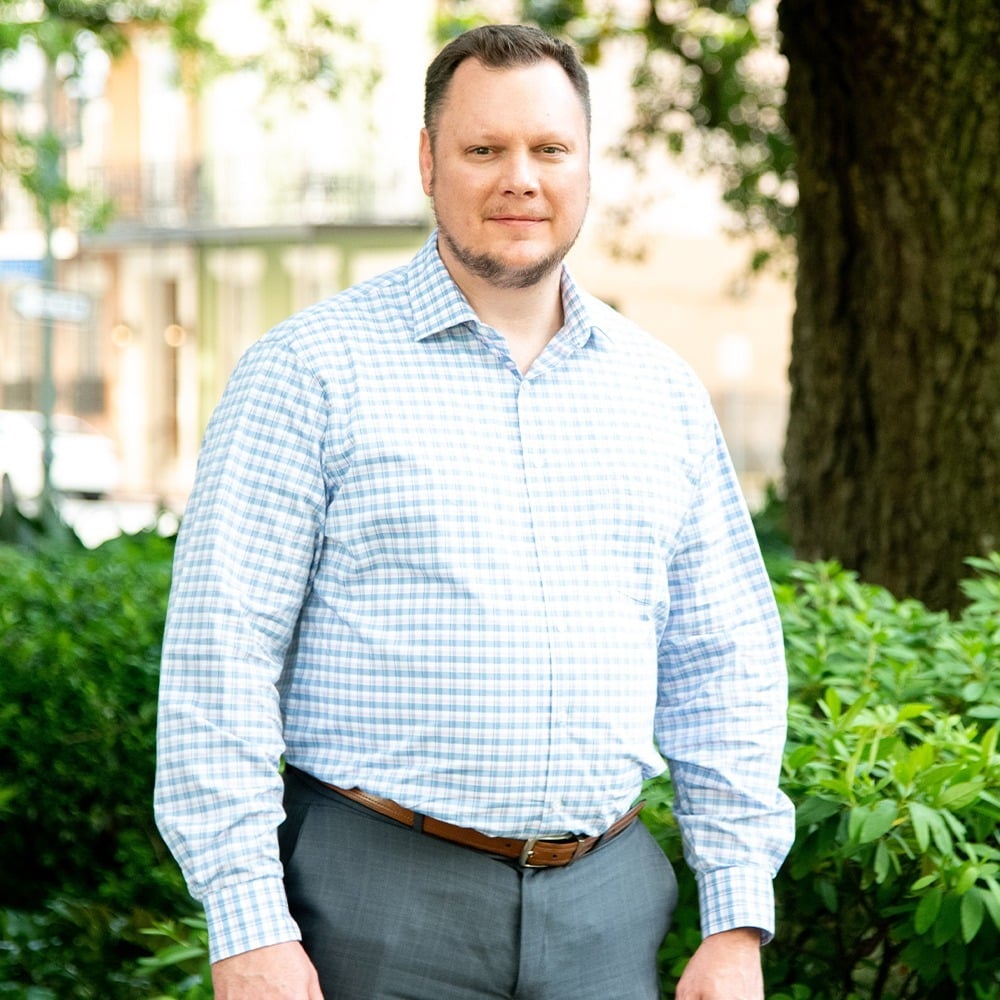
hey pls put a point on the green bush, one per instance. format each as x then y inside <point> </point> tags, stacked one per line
<point>891,889</point>
<point>84,869</point>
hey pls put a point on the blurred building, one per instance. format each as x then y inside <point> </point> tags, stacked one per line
<point>234,206</point>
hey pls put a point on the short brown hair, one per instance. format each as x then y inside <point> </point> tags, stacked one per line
<point>500,46</point>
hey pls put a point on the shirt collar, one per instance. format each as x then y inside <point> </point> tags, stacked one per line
<point>438,304</point>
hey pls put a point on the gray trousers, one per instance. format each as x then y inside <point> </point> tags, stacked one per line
<point>387,913</point>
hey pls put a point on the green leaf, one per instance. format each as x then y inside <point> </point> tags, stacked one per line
<point>991,899</point>
<point>989,743</point>
<point>833,703</point>
<point>919,759</point>
<point>882,862</point>
<point>927,824</point>
<point>857,707</point>
<point>827,892</point>
<point>984,711</point>
<point>173,955</point>
<point>960,795</point>
<point>879,821</point>
<point>967,878</point>
<point>927,910</point>
<point>921,824</point>
<point>800,756</point>
<point>973,912</point>
<point>973,691</point>
<point>948,922</point>
<point>856,820</point>
<point>815,809</point>
<point>912,711</point>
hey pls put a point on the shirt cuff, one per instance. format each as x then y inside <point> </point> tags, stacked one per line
<point>737,897</point>
<point>247,916</point>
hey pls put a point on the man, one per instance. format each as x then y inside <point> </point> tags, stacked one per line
<point>463,543</point>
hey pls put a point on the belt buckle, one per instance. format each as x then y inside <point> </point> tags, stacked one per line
<point>524,859</point>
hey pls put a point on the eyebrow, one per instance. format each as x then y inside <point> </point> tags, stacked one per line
<point>540,139</point>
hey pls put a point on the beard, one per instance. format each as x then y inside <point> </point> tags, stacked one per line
<point>498,272</point>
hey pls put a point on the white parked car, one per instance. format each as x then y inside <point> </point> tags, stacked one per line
<point>84,461</point>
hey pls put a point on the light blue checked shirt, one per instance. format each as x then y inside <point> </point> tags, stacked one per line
<point>412,569</point>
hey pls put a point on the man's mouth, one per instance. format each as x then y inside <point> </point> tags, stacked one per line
<point>517,220</point>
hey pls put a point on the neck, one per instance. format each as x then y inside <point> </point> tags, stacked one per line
<point>527,318</point>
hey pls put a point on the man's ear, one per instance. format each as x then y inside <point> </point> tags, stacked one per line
<point>426,163</point>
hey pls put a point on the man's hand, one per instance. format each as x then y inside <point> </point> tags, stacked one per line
<point>726,966</point>
<point>277,972</point>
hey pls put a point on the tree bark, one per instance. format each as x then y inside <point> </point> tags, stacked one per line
<point>893,446</point>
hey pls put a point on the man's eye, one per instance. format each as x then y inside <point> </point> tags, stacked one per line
<point>480,150</point>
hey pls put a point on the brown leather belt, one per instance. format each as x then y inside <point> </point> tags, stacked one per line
<point>535,852</point>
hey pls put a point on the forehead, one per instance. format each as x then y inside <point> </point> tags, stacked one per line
<point>536,95</point>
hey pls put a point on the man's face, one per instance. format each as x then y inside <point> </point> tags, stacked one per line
<point>508,172</point>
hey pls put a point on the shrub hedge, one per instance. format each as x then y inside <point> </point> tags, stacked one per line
<point>891,891</point>
<point>84,869</point>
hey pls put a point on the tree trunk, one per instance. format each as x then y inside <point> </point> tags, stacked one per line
<point>893,448</point>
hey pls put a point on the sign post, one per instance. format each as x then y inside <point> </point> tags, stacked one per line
<point>50,305</point>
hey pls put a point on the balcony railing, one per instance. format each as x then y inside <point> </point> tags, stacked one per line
<point>246,193</point>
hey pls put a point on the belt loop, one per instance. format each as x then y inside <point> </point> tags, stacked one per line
<point>418,822</point>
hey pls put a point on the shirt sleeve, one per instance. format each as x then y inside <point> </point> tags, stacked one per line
<point>721,707</point>
<point>245,558</point>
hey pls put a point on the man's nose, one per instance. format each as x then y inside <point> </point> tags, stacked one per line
<point>520,175</point>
